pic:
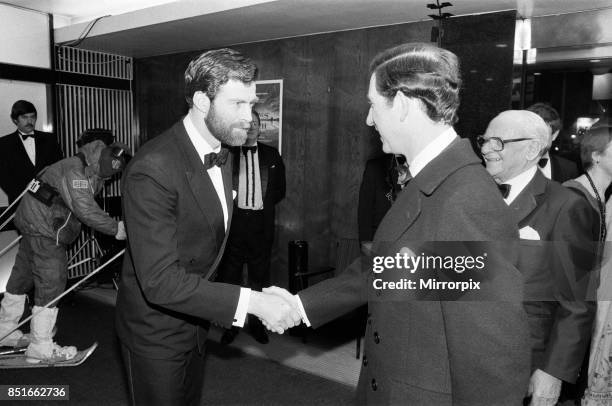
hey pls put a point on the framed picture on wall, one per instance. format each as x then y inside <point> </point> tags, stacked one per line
<point>270,109</point>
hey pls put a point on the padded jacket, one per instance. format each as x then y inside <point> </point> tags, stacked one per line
<point>76,185</point>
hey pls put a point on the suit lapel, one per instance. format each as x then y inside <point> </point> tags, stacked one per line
<point>22,154</point>
<point>199,182</point>
<point>408,205</point>
<point>41,150</point>
<point>401,215</point>
<point>526,202</point>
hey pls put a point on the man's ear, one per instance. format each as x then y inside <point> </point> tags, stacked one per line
<point>533,150</point>
<point>403,104</point>
<point>201,102</point>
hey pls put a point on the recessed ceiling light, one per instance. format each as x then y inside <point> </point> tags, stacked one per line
<point>595,60</point>
<point>501,45</point>
<point>489,79</point>
<point>473,71</point>
<point>537,73</point>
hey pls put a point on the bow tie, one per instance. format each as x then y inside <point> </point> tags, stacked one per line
<point>25,136</point>
<point>504,189</point>
<point>252,149</point>
<point>542,162</point>
<point>215,158</point>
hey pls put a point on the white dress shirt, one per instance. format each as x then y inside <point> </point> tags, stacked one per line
<point>202,147</point>
<point>519,182</point>
<point>428,154</point>
<point>30,146</point>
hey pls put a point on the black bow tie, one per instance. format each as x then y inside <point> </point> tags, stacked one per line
<point>253,149</point>
<point>25,136</point>
<point>504,189</point>
<point>215,158</point>
<point>542,162</point>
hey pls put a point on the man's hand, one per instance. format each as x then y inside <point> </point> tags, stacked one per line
<point>276,313</point>
<point>121,235</point>
<point>544,389</point>
<point>286,296</point>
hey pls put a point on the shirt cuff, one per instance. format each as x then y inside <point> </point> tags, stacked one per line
<point>302,311</point>
<point>243,306</point>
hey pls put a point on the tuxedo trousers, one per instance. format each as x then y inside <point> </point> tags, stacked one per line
<point>173,382</point>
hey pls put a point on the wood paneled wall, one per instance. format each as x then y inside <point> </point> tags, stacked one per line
<point>325,140</point>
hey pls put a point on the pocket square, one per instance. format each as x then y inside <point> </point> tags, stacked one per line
<point>234,194</point>
<point>528,233</point>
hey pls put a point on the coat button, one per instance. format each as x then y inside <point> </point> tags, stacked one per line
<point>365,361</point>
<point>376,338</point>
<point>374,385</point>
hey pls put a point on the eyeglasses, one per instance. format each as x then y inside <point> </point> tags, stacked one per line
<point>497,144</point>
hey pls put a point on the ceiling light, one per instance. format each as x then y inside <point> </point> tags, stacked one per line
<point>522,34</point>
<point>595,60</point>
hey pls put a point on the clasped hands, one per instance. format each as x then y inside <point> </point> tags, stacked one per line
<point>277,309</point>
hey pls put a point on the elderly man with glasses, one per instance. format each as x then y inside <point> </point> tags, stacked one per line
<point>556,256</point>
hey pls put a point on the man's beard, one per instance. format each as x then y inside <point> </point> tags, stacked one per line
<point>226,132</point>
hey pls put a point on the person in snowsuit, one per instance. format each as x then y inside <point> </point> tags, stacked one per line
<point>60,199</point>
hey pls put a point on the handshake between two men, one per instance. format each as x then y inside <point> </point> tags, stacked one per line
<point>277,309</point>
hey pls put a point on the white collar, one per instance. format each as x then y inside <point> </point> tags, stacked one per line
<point>201,145</point>
<point>519,182</point>
<point>431,151</point>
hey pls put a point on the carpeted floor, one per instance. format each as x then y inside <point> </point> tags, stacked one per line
<point>231,378</point>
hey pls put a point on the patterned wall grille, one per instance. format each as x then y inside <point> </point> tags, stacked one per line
<point>87,62</point>
<point>80,108</point>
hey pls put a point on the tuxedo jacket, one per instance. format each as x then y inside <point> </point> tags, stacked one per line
<point>557,268</point>
<point>16,169</point>
<point>273,184</point>
<point>434,352</point>
<point>562,169</point>
<point>176,236</point>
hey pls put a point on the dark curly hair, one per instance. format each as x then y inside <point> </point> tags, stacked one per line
<point>212,69</point>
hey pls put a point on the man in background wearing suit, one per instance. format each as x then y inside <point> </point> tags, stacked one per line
<point>383,178</point>
<point>556,273</point>
<point>259,175</point>
<point>552,165</point>
<point>421,349</point>
<point>25,152</point>
<point>177,206</point>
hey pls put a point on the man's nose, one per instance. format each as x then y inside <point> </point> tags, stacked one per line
<point>369,120</point>
<point>246,113</point>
